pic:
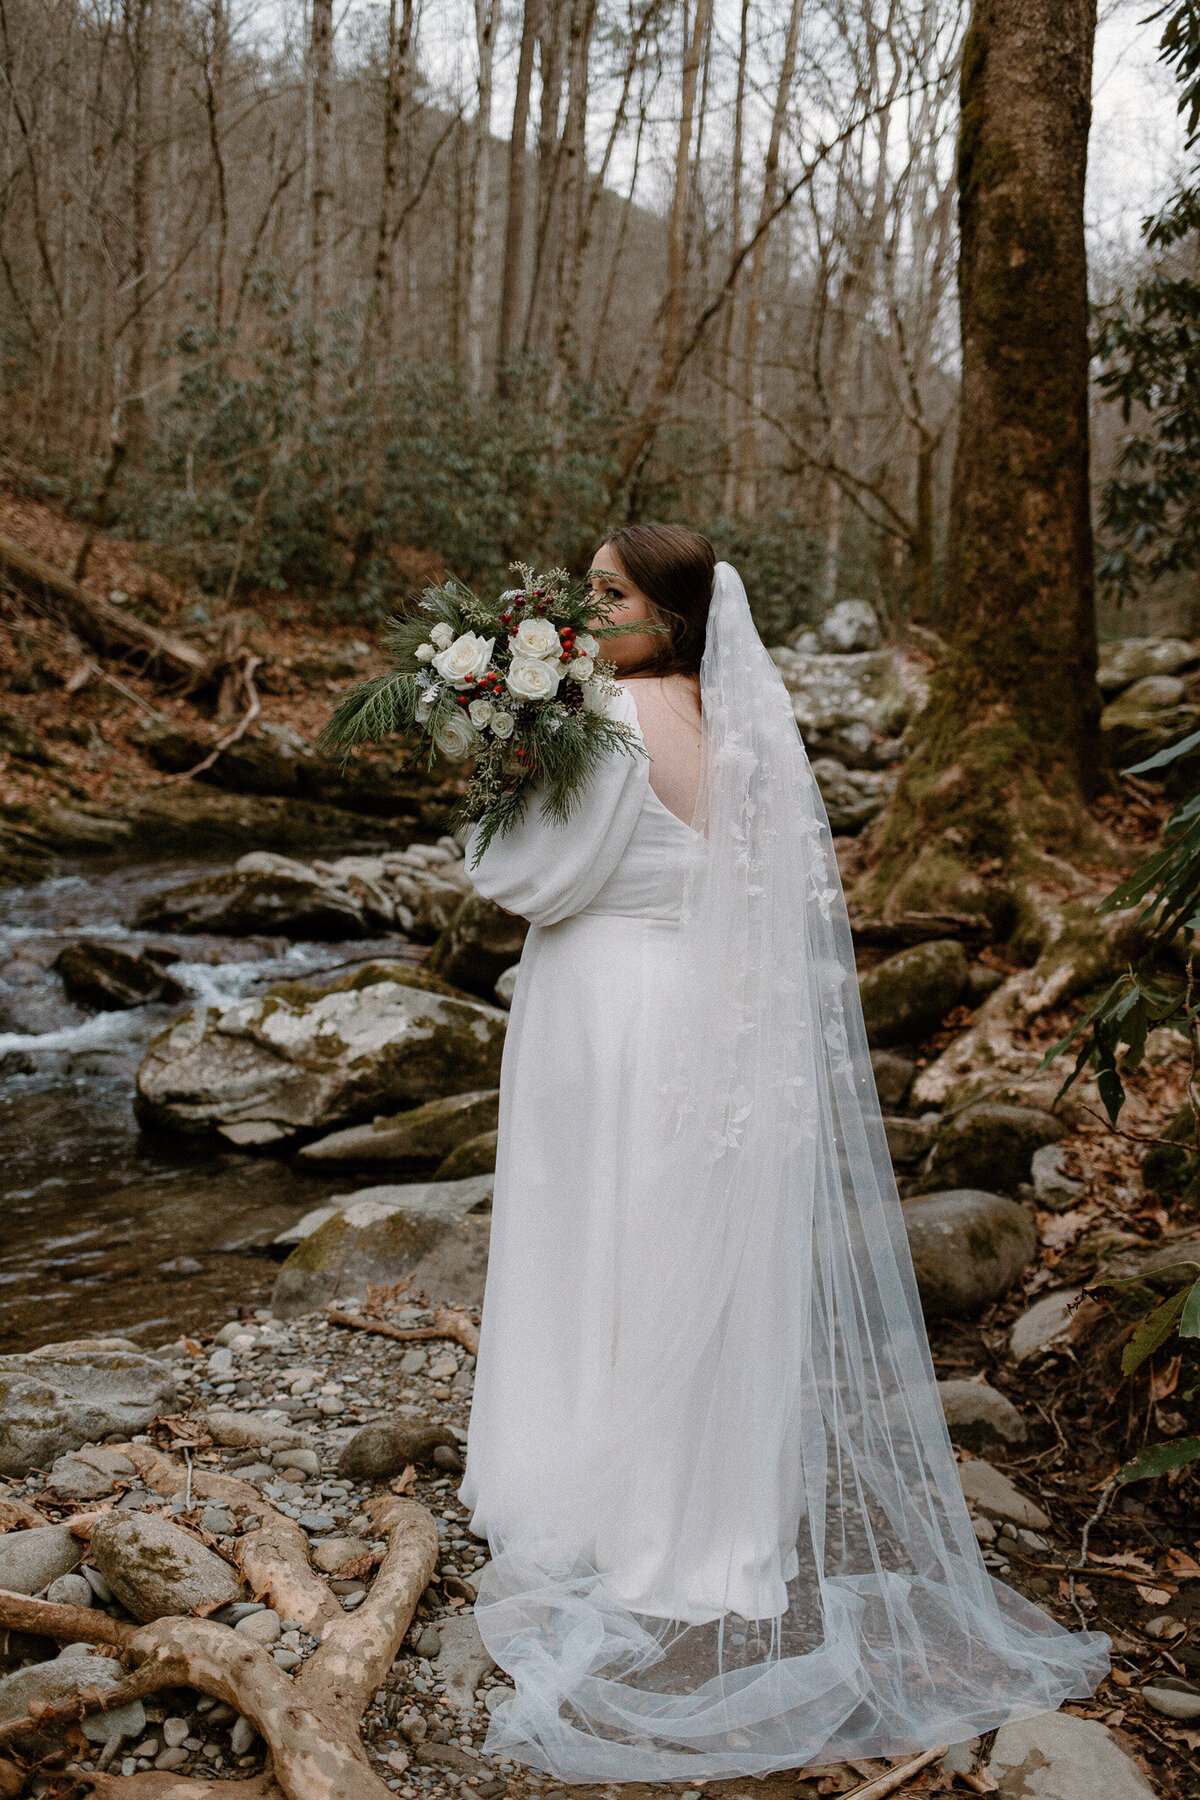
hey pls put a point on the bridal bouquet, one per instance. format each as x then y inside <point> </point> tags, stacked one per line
<point>516,684</point>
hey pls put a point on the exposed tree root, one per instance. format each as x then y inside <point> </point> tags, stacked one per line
<point>447,1323</point>
<point>310,1722</point>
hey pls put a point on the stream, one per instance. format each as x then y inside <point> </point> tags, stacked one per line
<point>106,1229</point>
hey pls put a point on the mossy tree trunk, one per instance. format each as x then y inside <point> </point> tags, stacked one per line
<point>1008,751</point>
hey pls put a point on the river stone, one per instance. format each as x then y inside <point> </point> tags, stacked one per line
<point>437,1232</point>
<point>286,899</point>
<point>968,1248</point>
<point>386,1447</point>
<point>476,1157</point>
<point>506,986</point>
<point>1059,1757</point>
<point>831,690</point>
<point>156,1570</point>
<point>462,1661</point>
<point>852,797</point>
<point>908,1139</point>
<point>991,1491</point>
<point>110,980</point>
<point>850,625</point>
<point>1044,1325</point>
<point>49,1683</point>
<point>424,1135</point>
<point>907,996</point>
<point>1053,1190</point>
<point>989,1145</point>
<point>480,942</point>
<point>30,1560</point>
<point>893,1077</point>
<point>380,1038</point>
<point>251,1431</point>
<point>332,1554</point>
<point>71,1590</point>
<point>75,1479</point>
<point>1132,659</point>
<point>54,1399</point>
<point>979,1415</point>
<point>1174,1702</point>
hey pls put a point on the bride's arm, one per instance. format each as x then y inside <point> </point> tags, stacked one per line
<point>546,871</point>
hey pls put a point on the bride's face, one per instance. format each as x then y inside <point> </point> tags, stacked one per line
<point>628,605</point>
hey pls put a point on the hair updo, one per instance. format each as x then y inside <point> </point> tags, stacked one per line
<point>673,567</point>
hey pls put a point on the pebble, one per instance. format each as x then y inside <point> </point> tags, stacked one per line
<point>70,1590</point>
<point>174,1731</point>
<point>239,1610</point>
<point>496,1696</point>
<point>317,1521</point>
<point>1173,1703</point>
<point>286,1659</point>
<point>172,1759</point>
<point>242,1737</point>
<point>262,1627</point>
<point>334,1553</point>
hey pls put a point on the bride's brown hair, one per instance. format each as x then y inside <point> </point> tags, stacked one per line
<point>673,567</point>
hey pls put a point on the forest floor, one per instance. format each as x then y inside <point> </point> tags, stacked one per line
<point>1141,1582</point>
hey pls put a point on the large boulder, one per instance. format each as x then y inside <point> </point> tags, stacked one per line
<point>265,894</point>
<point>155,1569</point>
<point>830,691</point>
<point>308,1058</point>
<point>111,980</point>
<point>989,1145</point>
<point>968,1247</point>
<point>422,1137</point>
<point>906,996</point>
<point>853,797</point>
<point>476,1157</point>
<point>1127,660</point>
<point>1057,1756</point>
<point>850,625</point>
<point>480,942</point>
<point>57,1398</point>
<point>28,1690</point>
<point>435,1231</point>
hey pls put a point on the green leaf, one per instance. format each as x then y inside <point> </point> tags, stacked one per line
<point>1153,1332</point>
<point>1189,1318</point>
<point>1159,1458</point>
<point>1161,758</point>
<point>1112,1092</point>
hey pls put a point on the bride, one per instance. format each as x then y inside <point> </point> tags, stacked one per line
<point>706,1447</point>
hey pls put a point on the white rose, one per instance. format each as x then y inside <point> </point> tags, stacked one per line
<point>465,659</point>
<point>442,635</point>
<point>536,637</point>
<point>598,697</point>
<point>502,724</point>
<point>587,645</point>
<point>582,669</point>
<point>533,678</point>
<point>480,712</point>
<point>456,737</point>
<point>424,652</point>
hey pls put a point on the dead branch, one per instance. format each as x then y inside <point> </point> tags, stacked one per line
<point>447,1323</point>
<point>66,1624</point>
<point>895,1778</point>
<point>101,624</point>
<point>249,664</point>
<point>15,1515</point>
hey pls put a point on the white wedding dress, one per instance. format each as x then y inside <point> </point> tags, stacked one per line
<point>706,1446</point>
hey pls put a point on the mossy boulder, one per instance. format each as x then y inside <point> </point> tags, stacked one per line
<point>968,1248</point>
<point>156,1570</point>
<point>1126,660</point>
<point>274,896</point>
<point>435,1231</point>
<point>306,1058</point>
<point>907,996</point>
<point>420,1138</point>
<point>480,942</point>
<point>476,1157</point>
<point>989,1145</point>
<point>62,1396</point>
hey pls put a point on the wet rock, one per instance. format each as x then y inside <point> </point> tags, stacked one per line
<point>893,1077</point>
<point>968,1248</point>
<point>386,1448</point>
<point>155,1569</point>
<point>907,996</point>
<point>989,1145</point>
<point>908,1139</point>
<point>111,980</point>
<point>853,797</point>
<point>850,625</point>
<point>1046,1324</point>
<point>476,1157</point>
<point>30,1560</point>
<point>978,1415</point>
<point>54,1399</point>
<point>193,818</point>
<point>301,1056</point>
<point>506,986</point>
<point>421,1137</point>
<point>262,893</point>
<point>1054,1190</point>
<point>1132,659</point>
<point>1059,1757</point>
<point>992,1492</point>
<point>462,1661</point>
<point>435,1231</point>
<point>479,943</point>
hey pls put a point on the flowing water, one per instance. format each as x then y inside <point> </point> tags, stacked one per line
<point>103,1228</point>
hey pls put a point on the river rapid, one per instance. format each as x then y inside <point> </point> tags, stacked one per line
<point>104,1228</point>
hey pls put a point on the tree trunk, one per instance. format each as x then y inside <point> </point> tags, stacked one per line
<point>320,53</point>
<point>511,282</point>
<point>139,24</point>
<point>487,25</point>
<point>1008,749</point>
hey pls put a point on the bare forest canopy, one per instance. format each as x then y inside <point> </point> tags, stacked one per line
<point>328,299</point>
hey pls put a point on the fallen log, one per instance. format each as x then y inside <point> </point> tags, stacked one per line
<point>97,621</point>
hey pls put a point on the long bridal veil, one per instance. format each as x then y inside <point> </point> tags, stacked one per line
<point>798,1580</point>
